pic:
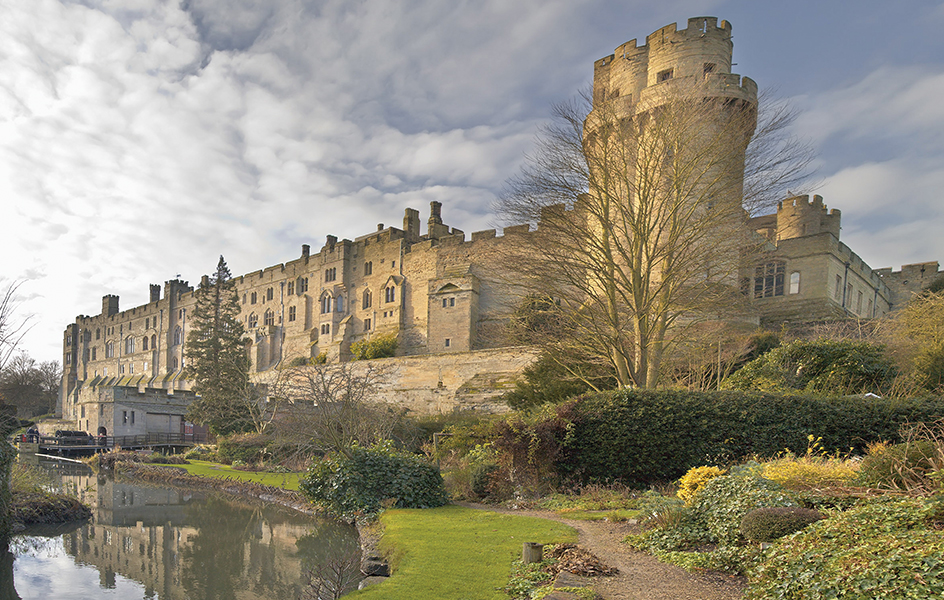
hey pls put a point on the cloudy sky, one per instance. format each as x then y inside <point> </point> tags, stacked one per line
<point>141,139</point>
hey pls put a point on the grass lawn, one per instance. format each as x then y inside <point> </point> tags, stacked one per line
<point>288,481</point>
<point>456,553</point>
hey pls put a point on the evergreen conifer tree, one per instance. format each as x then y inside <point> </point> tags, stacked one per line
<point>216,358</point>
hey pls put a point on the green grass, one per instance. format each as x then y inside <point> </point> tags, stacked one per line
<point>619,514</point>
<point>201,468</point>
<point>456,552</point>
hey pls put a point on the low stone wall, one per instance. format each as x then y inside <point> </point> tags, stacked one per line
<point>450,382</point>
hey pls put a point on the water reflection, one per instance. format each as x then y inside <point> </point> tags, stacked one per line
<point>168,544</point>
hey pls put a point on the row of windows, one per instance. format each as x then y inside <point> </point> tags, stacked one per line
<point>769,280</point>
<point>847,300</point>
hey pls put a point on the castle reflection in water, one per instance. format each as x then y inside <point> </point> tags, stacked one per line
<point>183,544</point>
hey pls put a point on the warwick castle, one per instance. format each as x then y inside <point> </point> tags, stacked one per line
<point>440,291</point>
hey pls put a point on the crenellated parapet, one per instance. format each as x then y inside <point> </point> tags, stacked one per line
<point>800,216</point>
<point>634,78</point>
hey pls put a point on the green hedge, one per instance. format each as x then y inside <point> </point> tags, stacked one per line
<point>642,437</point>
<point>368,479</point>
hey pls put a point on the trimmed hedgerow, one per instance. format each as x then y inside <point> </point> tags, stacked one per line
<point>769,523</point>
<point>885,549</point>
<point>641,437</point>
<point>368,479</point>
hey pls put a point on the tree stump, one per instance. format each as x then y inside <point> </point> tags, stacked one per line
<point>532,553</point>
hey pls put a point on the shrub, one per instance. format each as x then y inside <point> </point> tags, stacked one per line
<point>722,503</point>
<point>818,367</point>
<point>368,479</point>
<point>481,478</point>
<point>379,346</point>
<point>694,480</point>
<point>248,448</point>
<point>884,549</point>
<point>892,466</point>
<point>769,523</point>
<point>813,470</point>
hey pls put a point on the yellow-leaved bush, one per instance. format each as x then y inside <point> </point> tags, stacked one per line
<point>694,480</point>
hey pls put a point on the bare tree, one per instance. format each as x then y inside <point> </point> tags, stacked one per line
<point>12,328</point>
<point>333,578</point>
<point>641,212</point>
<point>333,407</point>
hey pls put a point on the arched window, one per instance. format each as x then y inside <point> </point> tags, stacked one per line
<point>768,279</point>
<point>390,294</point>
<point>269,294</point>
<point>174,363</point>
<point>178,335</point>
<point>339,304</point>
<point>253,320</point>
<point>795,282</point>
<point>154,342</point>
<point>269,318</point>
<point>109,349</point>
<point>325,304</point>
<point>144,343</point>
<point>129,345</point>
<point>368,299</point>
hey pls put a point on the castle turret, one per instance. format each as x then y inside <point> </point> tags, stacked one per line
<point>631,77</point>
<point>799,217</point>
<point>109,305</point>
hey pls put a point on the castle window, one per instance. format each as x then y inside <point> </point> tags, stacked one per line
<point>101,409</point>
<point>147,323</point>
<point>178,335</point>
<point>244,297</point>
<point>848,299</point>
<point>859,302</point>
<point>339,304</point>
<point>664,75</point>
<point>109,349</point>
<point>708,69</point>
<point>331,274</point>
<point>83,412</point>
<point>154,342</point>
<point>326,329</point>
<point>291,314</point>
<point>393,264</point>
<point>291,288</point>
<point>390,294</point>
<point>94,353</point>
<point>366,324</point>
<point>302,285</point>
<point>268,318</point>
<point>325,304</point>
<point>768,280</point>
<point>124,417</point>
<point>367,299</point>
<point>368,268</point>
<point>269,294</point>
<point>98,333</point>
<point>838,288</point>
<point>252,298</point>
<point>144,343</point>
<point>131,368</point>
<point>132,417</point>
<point>253,320</point>
<point>795,282</point>
<point>448,342</point>
<point>69,359</point>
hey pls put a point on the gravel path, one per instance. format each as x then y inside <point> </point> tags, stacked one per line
<point>641,576</point>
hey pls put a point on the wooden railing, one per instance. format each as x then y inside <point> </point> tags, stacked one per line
<point>123,441</point>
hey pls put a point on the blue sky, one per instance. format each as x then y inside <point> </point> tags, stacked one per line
<point>141,139</point>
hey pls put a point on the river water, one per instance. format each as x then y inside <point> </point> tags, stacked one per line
<point>157,543</point>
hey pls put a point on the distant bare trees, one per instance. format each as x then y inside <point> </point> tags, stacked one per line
<point>12,328</point>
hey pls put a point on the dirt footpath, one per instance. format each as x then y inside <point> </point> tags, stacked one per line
<point>641,576</point>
